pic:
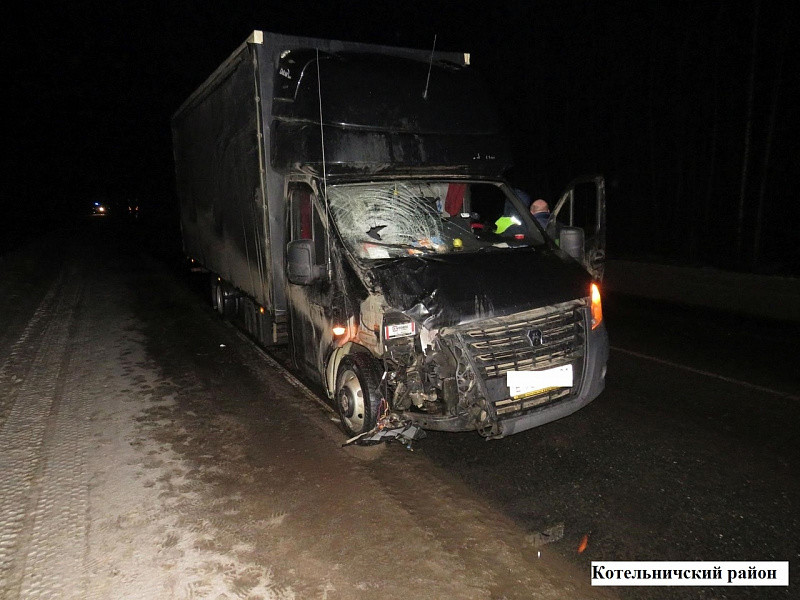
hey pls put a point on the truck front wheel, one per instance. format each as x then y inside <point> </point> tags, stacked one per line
<point>358,395</point>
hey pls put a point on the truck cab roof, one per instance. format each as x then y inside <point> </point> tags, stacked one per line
<point>382,112</point>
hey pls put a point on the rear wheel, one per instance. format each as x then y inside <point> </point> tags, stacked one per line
<point>219,298</point>
<point>358,396</point>
<point>214,293</point>
<point>223,300</point>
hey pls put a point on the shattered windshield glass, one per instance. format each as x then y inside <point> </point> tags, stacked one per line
<point>407,218</point>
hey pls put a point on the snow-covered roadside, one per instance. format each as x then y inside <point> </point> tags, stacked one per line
<point>145,541</point>
<point>91,505</point>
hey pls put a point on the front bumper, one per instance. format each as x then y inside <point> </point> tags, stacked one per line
<point>576,343</point>
<point>593,383</point>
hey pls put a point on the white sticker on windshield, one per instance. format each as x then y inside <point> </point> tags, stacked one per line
<point>373,251</point>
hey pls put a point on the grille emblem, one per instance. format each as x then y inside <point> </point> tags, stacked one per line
<point>534,337</point>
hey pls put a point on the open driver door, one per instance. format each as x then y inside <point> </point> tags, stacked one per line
<point>580,215</point>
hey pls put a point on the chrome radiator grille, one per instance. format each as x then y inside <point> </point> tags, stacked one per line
<point>535,340</point>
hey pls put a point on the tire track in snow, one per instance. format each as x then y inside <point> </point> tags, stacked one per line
<point>26,277</point>
<point>25,436</point>
<point>55,563</point>
<point>15,367</point>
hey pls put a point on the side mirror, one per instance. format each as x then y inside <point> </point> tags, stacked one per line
<point>571,241</point>
<point>300,267</point>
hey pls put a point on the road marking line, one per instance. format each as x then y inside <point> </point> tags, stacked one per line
<point>707,374</point>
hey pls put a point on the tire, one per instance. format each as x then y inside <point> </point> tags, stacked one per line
<point>224,302</point>
<point>358,397</point>
<point>214,291</point>
<point>221,301</point>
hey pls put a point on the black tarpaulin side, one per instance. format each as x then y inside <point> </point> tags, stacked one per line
<point>219,184</point>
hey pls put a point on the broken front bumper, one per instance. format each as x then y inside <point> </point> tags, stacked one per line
<point>533,341</point>
<point>593,382</point>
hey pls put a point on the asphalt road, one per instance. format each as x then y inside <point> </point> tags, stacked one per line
<point>688,455</point>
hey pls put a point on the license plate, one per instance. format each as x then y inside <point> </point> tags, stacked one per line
<point>524,383</point>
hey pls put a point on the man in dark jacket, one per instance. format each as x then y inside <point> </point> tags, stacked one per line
<point>540,211</point>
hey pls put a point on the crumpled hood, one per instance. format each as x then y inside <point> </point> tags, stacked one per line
<point>451,289</point>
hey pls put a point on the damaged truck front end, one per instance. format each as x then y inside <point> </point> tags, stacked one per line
<point>434,298</point>
<point>465,377</point>
<point>457,323</point>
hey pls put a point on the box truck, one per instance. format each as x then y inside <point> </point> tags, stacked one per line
<point>348,200</point>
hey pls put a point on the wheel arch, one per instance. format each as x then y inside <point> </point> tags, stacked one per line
<point>335,359</point>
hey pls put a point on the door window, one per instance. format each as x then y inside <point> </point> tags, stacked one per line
<point>305,220</point>
<point>582,207</point>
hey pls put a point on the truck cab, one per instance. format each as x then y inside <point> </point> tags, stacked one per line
<point>418,284</point>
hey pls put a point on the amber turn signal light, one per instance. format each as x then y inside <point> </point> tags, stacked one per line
<point>597,306</point>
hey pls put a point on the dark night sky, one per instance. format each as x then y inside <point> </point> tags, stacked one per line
<point>657,97</point>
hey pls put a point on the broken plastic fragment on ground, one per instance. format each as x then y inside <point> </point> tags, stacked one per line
<point>546,536</point>
<point>389,428</point>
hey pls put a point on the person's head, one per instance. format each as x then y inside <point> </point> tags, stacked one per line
<point>539,206</point>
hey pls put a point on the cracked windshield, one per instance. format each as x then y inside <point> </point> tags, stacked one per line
<point>410,218</point>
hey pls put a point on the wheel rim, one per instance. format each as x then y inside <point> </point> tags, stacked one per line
<point>351,401</point>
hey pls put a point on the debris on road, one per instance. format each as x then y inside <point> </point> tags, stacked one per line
<point>390,428</point>
<point>546,536</point>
